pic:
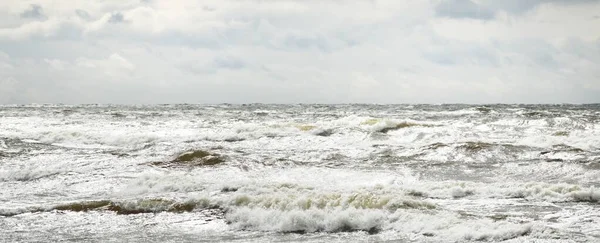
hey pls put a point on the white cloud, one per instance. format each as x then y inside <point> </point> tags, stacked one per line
<point>55,64</point>
<point>121,62</point>
<point>114,67</point>
<point>301,51</point>
<point>5,61</point>
<point>548,22</point>
<point>7,89</point>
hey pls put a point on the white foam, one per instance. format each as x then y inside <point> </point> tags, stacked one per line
<point>306,220</point>
<point>29,174</point>
<point>281,176</point>
<point>307,181</point>
<point>436,225</point>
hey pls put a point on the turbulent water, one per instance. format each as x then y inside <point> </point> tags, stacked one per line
<point>310,173</point>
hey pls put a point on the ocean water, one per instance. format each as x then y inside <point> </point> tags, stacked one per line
<point>306,173</point>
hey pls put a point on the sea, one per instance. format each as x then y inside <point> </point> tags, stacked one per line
<point>300,173</point>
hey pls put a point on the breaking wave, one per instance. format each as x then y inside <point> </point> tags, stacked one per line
<point>443,173</point>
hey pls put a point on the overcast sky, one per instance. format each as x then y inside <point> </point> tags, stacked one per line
<point>302,51</point>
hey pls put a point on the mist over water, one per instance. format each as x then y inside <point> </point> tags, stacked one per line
<point>311,173</point>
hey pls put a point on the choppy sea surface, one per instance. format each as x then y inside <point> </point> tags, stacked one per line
<point>307,173</point>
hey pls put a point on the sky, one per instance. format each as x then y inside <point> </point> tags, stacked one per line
<point>299,51</point>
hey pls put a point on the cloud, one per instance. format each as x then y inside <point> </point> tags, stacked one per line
<point>121,61</point>
<point>114,65</point>
<point>462,53</point>
<point>523,6</point>
<point>8,89</point>
<point>488,9</point>
<point>463,9</point>
<point>83,14</point>
<point>291,51</point>
<point>551,23</point>
<point>56,64</point>
<point>34,12</point>
<point>228,62</point>
<point>4,61</point>
<point>116,18</point>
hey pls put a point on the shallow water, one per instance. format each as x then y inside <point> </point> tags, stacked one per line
<point>308,173</point>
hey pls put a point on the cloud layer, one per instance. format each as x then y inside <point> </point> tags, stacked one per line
<point>291,51</point>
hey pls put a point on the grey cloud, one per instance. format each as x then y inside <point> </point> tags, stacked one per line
<point>228,62</point>
<point>56,49</point>
<point>244,58</point>
<point>532,52</point>
<point>219,62</point>
<point>457,52</point>
<point>440,59</point>
<point>514,6</point>
<point>217,38</point>
<point>34,12</point>
<point>538,52</point>
<point>477,56</point>
<point>175,38</point>
<point>195,68</point>
<point>463,9</point>
<point>116,18</point>
<point>68,31</point>
<point>583,50</point>
<point>208,8</point>
<point>523,6</point>
<point>82,14</point>
<point>305,42</point>
<point>275,38</point>
<point>487,9</point>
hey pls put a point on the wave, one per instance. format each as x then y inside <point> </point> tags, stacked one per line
<point>385,126</point>
<point>31,173</point>
<point>291,187</point>
<point>481,152</point>
<point>297,219</point>
<point>233,198</point>
<point>416,132</point>
<point>441,226</point>
<point>330,201</point>
<point>430,224</point>
<point>280,202</point>
<point>424,210</point>
<point>531,191</point>
<point>119,207</point>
